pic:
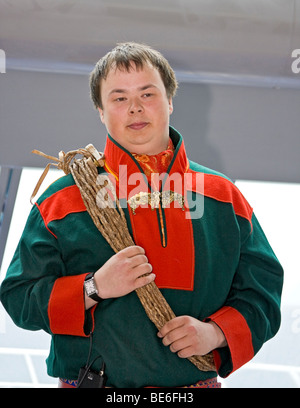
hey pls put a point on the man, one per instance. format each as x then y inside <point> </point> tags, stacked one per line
<point>216,270</point>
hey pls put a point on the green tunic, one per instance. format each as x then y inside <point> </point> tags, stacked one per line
<point>212,261</point>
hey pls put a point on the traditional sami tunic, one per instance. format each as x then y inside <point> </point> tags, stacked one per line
<point>211,259</point>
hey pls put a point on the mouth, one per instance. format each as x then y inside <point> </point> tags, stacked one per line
<point>137,125</point>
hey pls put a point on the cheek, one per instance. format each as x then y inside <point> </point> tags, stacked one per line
<point>106,117</point>
<point>112,121</point>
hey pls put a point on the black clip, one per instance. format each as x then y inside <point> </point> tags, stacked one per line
<point>89,378</point>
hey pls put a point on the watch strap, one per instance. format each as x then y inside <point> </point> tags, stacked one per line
<point>90,287</point>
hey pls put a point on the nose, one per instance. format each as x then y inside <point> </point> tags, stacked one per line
<point>135,107</point>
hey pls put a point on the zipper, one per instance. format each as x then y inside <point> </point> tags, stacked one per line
<point>161,216</point>
<point>161,220</point>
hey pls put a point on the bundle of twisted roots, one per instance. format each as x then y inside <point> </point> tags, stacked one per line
<point>108,216</point>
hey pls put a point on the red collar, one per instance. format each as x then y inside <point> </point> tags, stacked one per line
<point>156,163</point>
<point>115,155</point>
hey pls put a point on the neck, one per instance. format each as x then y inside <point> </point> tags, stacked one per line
<point>149,149</point>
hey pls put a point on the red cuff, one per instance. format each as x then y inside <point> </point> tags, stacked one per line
<point>238,336</point>
<point>66,308</point>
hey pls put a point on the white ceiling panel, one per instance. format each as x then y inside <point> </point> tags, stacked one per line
<point>229,40</point>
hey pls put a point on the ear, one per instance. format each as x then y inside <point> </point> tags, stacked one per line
<point>170,106</point>
<point>101,115</point>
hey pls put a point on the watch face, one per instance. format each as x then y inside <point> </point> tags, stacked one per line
<point>90,287</point>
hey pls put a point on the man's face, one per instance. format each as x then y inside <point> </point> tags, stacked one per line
<point>136,109</point>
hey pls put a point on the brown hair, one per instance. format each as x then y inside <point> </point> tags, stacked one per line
<point>122,57</point>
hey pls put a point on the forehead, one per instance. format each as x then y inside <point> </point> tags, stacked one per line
<point>133,77</point>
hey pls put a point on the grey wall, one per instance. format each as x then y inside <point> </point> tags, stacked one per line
<point>248,133</point>
<point>245,132</point>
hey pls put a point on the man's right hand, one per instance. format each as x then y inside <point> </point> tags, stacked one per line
<point>122,274</point>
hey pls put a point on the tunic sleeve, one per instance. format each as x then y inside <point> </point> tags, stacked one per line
<point>251,315</point>
<point>36,292</point>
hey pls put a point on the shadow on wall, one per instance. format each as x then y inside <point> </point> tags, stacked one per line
<point>191,117</point>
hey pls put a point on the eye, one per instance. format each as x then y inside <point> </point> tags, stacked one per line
<point>121,99</point>
<point>147,95</point>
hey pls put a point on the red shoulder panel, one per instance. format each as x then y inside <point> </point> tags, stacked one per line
<point>221,189</point>
<point>62,203</point>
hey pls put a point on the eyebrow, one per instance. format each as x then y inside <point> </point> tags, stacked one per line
<point>143,88</point>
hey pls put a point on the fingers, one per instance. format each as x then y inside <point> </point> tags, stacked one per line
<point>177,340</point>
<point>131,251</point>
<point>144,280</point>
<point>172,334</point>
<point>141,268</point>
<point>135,261</point>
<point>142,272</point>
<point>176,323</point>
<point>124,272</point>
<point>138,260</point>
<point>180,335</point>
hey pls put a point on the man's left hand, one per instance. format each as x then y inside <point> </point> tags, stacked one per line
<point>188,336</point>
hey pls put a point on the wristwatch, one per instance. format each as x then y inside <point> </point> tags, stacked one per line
<point>90,287</point>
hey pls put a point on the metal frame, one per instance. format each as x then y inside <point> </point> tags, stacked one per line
<point>9,183</point>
